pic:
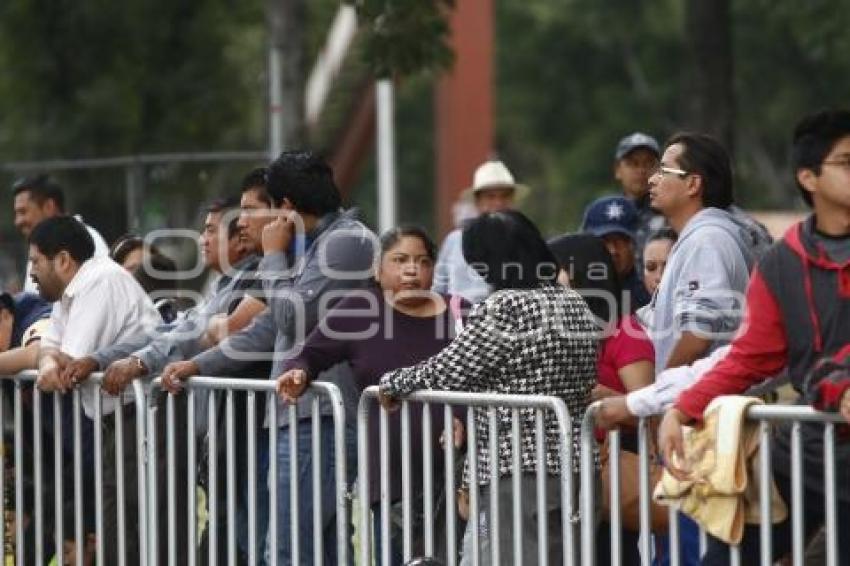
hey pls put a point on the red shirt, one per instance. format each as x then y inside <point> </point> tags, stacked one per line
<point>628,344</point>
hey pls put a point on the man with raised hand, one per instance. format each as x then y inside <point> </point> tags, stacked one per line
<point>314,253</point>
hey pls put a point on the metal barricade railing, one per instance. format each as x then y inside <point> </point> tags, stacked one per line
<point>30,441</point>
<point>472,402</point>
<point>765,415</point>
<point>228,388</point>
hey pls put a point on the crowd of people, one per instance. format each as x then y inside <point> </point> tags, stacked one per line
<point>669,296</point>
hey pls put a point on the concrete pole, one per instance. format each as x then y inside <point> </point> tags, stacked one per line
<point>386,156</point>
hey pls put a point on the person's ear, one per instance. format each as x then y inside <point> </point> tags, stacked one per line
<point>50,208</point>
<point>63,262</point>
<point>694,185</point>
<point>807,179</point>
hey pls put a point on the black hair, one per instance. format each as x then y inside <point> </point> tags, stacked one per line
<point>706,157</point>
<point>814,137</point>
<point>63,233</point>
<point>507,250</point>
<point>41,188</point>
<point>589,265</point>
<point>151,281</point>
<point>8,303</point>
<point>223,206</point>
<point>662,234</point>
<point>257,180</point>
<point>394,235</point>
<point>306,181</point>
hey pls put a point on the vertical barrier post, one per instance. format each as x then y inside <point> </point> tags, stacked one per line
<point>451,501</point>
<point>542,527</point>
<point>251,426</point>
<point>192,480</point>
<point>645,526</point>
<point>57,471</point>
<point>588,480</point>
<point>273,481</point>
<point>19,477</point>
<point>385,487</point>
<point>78,476</point>
<point>830,495</point>
<point>474,511</point>
<point>294,511</point>
<point>798,538</point>
<point>615,520</point>
<point>121,504</point>
<point>363,481</point>
<point>231,477</point>
<point>316,441</point>
<point>406,480</point>
<point>493,442</point>
<point>39,476</point>
<point>428,477</point>
<point>139,398</point>
<point>153,522</point>
<point>516,479</point>
<point>212,481</point>
<point>98,474</point>
<point>171,478</point>
<point>766,481</point>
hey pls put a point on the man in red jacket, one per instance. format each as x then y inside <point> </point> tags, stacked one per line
<point>798,312</point>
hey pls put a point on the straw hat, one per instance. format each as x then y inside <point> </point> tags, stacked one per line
<point>494,175</point>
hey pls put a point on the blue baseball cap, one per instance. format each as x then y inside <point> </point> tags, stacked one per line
<point>610,215</point>
<point>634,141</point>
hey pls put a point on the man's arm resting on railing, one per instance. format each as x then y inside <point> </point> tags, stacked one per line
<point>18,359</point>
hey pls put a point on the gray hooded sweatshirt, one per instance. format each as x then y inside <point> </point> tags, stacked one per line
<point>702,290</point>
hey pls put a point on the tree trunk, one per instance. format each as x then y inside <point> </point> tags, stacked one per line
<point>710,101</point>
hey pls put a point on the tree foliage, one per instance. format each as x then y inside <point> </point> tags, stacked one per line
<point>403,38</point>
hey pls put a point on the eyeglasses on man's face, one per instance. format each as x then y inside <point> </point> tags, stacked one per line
<point>664,170</point>
<point>840,161</point>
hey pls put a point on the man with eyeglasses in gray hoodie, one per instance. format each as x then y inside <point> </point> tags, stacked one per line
<point>700,300</point>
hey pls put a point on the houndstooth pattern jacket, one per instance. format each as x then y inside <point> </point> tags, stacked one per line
<point>540,341</point>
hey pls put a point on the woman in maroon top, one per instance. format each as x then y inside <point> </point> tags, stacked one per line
<point>398,323</point>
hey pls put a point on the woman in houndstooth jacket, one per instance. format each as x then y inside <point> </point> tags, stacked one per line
<point>530,336</point>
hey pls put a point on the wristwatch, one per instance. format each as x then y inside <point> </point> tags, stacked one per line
<point>139,365</point>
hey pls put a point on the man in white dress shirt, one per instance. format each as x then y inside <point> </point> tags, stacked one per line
<point>95,303</point>
<point>39,198</point>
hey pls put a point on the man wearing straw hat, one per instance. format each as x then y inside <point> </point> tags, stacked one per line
<point>493,189</point>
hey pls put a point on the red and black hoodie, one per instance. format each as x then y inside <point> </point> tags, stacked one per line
<point>798,312</point>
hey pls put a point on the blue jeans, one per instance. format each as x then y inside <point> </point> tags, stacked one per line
<point>304,483</point>
<point>688,544</point>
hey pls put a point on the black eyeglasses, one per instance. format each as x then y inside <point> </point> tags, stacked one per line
<point>842,161</point>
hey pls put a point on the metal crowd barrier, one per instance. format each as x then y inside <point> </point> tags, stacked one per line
<point>35,509</point>
<point>765,415</point>
<point>473,401</point>
<point>228,388</point>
